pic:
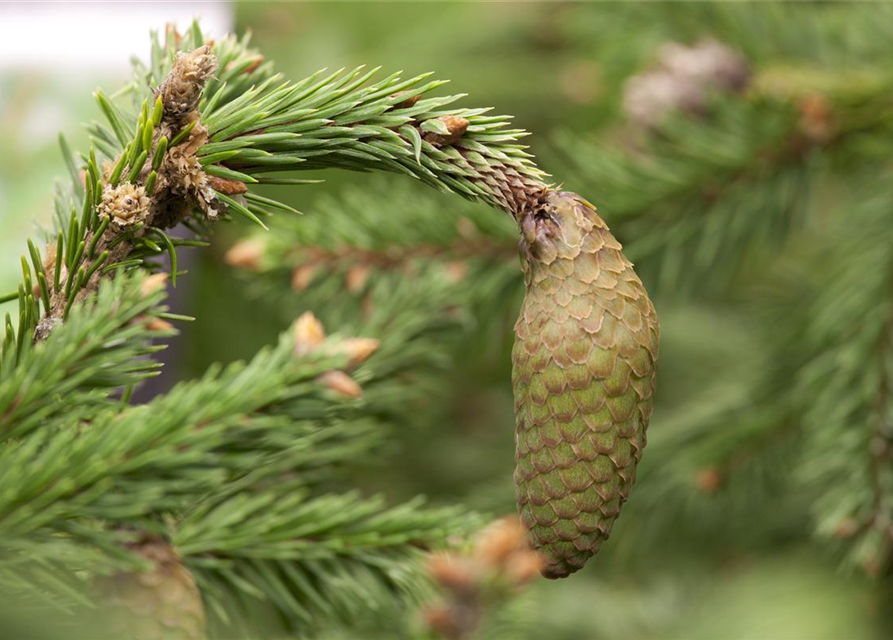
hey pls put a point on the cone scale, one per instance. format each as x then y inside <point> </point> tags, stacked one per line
<point>583,367</point>
<point>161,604</point>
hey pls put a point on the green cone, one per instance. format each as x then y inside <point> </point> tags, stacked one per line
<point>584,362</point>
<point>161,604</point>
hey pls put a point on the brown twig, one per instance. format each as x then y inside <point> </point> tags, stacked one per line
<point>180,187</point>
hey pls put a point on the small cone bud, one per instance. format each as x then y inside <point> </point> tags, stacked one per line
<point>227,186</point>
<point>171,30</point>
<point>815,118</point>
<point>258,60</point>
<point>408,102</point>
<point>456,271</point>
<point>359,349</point>
<point>254,65</point>
<point>309,333</point>
<point>847,529</point>
<point>246,254</point>
<point>356,277</point>
<point>453,572</point>
<point>499,541</point>
<point>159,324</point>
<point>153,283</point>
<point>709,480</point>
<point>342,384</point>
<point>302,276</point>
<point>456,125</point>
<point>524,566</point>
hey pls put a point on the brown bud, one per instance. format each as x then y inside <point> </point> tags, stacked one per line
<point>227,186</point>
<point>456,271</point>
<point>258,60</point>
<point>847,528</point>
<point>456,125</point>
<point>251,67</point>
<point>452,572</point>
<point>247,254</point>
<point>500,540</point>
<point>171,30</point>
<point>302,276</point>
<point>358,349</point>
<point>709,480</point>
<point>524,566</point>
<point>309,333</point>
<point>815,118</point>
<point>152,283</point>
<point>411,100</point>
<point>158,324</point>
<point>356,277</point>
<point>342,384</point>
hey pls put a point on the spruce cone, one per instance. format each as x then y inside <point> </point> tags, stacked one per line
<point>162,604</point>
<point>583,374</point>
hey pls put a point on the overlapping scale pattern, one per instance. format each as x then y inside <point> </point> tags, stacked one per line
<point>161,604</point>
<point>586,344</point>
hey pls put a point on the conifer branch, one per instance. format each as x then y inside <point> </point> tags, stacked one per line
<point>208,125</point>
<point>305,549</point>
<point>127,200</point>
<point>844,387</point>
<point>198,149</point>
<point>77,372</point>
<point>702,193</point>
<point>198,464</point>
<point>362,235</point>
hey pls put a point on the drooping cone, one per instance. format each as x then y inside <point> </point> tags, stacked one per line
<point>161,604</point>
<point>584,361</point>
